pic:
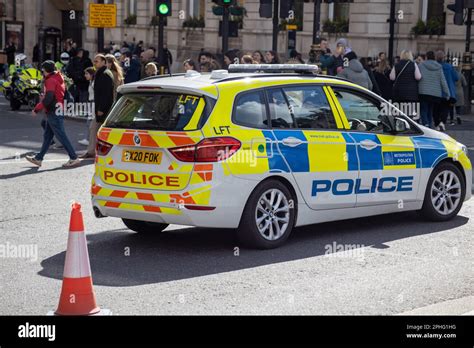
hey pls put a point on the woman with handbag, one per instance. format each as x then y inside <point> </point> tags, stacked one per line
<point>405,75</point>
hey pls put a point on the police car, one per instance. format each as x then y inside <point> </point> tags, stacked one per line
<point>264,152</point>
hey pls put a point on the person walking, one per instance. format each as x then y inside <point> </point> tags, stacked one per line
<point>89,74</point>
<point>355,72</point>
<point>114,66</point>
<point>461,83</point>
<point>431,88</point>
<point>52,104</point>
<point>405,76</point>
<point>448,102</point>
<point>103,100</point>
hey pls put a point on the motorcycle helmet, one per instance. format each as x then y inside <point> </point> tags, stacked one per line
<point>64,58</point>
<point>20,59</point>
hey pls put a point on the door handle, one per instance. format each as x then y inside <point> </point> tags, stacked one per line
<point>292,142</point>
<point>368,144</point>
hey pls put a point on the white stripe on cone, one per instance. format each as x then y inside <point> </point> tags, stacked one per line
<point>77,257</point>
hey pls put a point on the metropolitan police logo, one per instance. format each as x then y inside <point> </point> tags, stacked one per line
<point>136,139</point>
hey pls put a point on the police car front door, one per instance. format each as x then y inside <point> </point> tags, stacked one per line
<point>309,138</point>
<point>388,170</point>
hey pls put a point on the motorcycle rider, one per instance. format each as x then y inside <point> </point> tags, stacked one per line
<point>52,103</point>
<point>62,63</point>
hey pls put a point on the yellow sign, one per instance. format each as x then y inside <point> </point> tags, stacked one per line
<point>291,27</point>
<point>102,15</point>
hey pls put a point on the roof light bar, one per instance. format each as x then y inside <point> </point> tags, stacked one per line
<point>302,68</point>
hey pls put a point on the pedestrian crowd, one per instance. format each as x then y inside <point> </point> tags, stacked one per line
<point>428,80</point>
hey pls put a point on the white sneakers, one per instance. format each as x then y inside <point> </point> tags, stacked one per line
<point>84,142</point>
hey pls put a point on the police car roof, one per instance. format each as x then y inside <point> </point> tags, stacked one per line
<point>206,83</point>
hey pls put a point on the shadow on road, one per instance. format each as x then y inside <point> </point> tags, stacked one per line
<point>35,170</point>
<point>193,252</point>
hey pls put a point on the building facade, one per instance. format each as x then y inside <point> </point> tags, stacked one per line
<point>421,25</point>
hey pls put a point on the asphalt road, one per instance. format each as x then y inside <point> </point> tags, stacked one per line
<point>401,264</point>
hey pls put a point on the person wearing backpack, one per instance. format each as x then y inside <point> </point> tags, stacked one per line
<point>405,75</point>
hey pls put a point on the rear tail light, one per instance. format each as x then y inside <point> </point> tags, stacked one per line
<point>207,150</point>
<point>102,147</point>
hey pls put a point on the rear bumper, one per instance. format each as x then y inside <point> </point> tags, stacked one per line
<point>228,198</point>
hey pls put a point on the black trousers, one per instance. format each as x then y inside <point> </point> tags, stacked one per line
<point>440,114</point>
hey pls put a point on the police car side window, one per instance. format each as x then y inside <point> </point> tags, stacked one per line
<point>280,115</point>
<point>250,110</point>
<point>310,107</point>
<point>363,114</point>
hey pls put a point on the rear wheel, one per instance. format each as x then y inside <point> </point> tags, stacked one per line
<point>268,217</point>
<point>144,227</point>
<point>445,193</point>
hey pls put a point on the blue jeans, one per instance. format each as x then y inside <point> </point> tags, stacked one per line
<point>55,127</point>
<point>426,110</point>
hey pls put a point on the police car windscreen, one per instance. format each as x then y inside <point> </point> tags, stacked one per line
<point>166,111</point>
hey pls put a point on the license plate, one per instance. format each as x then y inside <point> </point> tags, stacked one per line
<point>141,156</point>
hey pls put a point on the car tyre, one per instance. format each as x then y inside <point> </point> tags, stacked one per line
<point>444,193</point>
<point>268,217</point>
<point>144,227</point>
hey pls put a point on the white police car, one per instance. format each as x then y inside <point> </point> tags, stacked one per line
<point>264,152</point>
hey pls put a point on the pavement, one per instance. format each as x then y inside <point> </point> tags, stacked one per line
<point>394,264</point>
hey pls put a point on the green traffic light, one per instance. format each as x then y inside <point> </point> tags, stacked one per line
<point>163,9</point>
<point>226,1</point>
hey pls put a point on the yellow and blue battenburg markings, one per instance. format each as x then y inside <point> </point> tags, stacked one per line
<point>316,154</point>
<point>431,151</point>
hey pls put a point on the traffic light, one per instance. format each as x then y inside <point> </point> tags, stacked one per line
<point>265,10</point>
<point>225,2</point>
<point>458,8</point>
<point>285,7</point>
<point>163,8</point>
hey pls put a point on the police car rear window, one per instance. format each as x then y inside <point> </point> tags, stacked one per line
<point>165,111</point>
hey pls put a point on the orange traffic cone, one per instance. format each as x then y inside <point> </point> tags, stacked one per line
<point>77,293</point>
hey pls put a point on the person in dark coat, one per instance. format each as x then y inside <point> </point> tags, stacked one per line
<point>381,75</point>
<point>131,67</point>
<point>405,75</point>
<point>75,70</point>
<point>103,100</point>
<point>10,50</point>
<point>86,61</point>
<point>441,114</point>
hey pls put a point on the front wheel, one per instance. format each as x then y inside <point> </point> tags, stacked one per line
<point>144,227</point>
<point>33,100</point>
<point>444,194</point>
<point>268,217</point>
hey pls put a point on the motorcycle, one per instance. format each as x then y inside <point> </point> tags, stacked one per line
<point>23,88</point>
